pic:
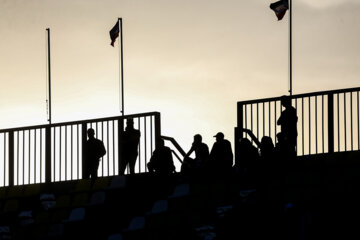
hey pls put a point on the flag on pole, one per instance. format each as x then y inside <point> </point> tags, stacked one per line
<point>280,8</point>
<point>114,33</point>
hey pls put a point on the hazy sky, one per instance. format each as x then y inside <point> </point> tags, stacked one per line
<point>190,60</point>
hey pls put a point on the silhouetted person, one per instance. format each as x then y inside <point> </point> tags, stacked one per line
<point>201,156</point>
<point>161,162</point>
<point>94,150</point>
<point>130,143</point>
<point>246,164</point>
<point>221,156</point>
<point>265,159</point>
<point>283,151</point>
<point>266,146</point>
<point>288,120</point>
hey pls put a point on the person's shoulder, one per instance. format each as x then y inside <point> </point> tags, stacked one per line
<point>204,145</point>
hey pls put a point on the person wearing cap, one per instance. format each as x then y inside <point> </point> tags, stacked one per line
<point>130,142</point>
<point>221,156</point>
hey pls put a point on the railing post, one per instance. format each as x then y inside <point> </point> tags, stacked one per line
<point>83,143</point>
<point>120,145</point>
<point>330,123</point>
<point>48,154</point>
<point>238,130</point>
<point>11,158</point>
<point>157,128</point>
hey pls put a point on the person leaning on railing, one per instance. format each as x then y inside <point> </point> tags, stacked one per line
<point>201,159</point>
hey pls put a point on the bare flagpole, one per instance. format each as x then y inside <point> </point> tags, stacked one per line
<point>49,69</point>
<point>290,47</point>
<point>121,67</point>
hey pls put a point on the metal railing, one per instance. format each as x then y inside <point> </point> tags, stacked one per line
<point>53,152</point>
<point>328,121</point>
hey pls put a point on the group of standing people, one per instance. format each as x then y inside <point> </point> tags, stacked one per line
<point>266,156</point>
<point>94,150</point>
<point>219,159</point>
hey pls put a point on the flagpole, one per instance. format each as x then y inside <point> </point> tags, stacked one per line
<point>290,47</point>
<point>121,67</point>
<point>49,69</point>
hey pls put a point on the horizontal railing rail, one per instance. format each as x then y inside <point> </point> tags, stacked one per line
<point>53,152</point>
<point>328,121</point>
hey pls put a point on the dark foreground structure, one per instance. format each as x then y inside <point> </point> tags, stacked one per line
<point>314,200</point>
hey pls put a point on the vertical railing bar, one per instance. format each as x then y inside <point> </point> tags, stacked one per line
<point>322,123</point>
<point>65,153</point>
<point>358,119</point>
<point>351,119</point>
<point>316,129</point>
<point>113,128</point>
<point>251,118</point>
<point>302,127</point>
<point>4,159</point>
<point>17,157</point>
<point>60,148</point>
<point>145,144</point>
<point>338,117</point>
<point>345,122</point>
<point>139,142</point>
<point>139,148</point>
<point>309,125</point>
<point>96,127</point>
<point>102,139</point>
<point>269,119</point>
<point>296,147</point>
<point>11,163</point>
<point>263,119</point>
<point>275,128</point>
<point>151,134</point>
<point>35,155</point>
<point>71,152</point>
<point>41,172</point>
<point>245,107</point>
<point>29,160</point>
<point>107,148</point>
<point>54,145</point>
<point>78,150</point>
<point>23,147</point>
<point>257,120</point>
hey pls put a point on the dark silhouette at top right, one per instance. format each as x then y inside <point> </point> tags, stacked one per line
<point>288,121</point>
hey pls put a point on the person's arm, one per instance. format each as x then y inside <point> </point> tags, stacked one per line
<point>190,151</point>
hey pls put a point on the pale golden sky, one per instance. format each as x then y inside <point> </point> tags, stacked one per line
<point>190,60</point>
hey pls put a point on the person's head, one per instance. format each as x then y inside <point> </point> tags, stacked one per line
<point>91,133</point>
<point>130,122</point>
<point>244,143</point>
<point>160,142</point>
<point>219,136</point>
<point>285,101</point>
<point>267,144</point>
<point>197,138</point>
